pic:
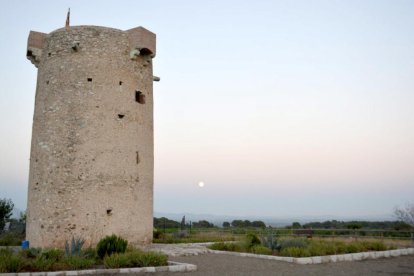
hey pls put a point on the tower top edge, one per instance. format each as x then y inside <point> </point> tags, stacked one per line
<point>80,27</point>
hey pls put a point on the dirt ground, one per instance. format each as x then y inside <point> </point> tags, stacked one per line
<point>218,264</point>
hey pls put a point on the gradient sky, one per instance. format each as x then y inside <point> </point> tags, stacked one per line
<point>282,108</point>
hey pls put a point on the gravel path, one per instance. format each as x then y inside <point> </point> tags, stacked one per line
<point>217,264</point>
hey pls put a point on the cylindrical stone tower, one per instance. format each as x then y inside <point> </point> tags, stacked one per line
<point>92,157</point>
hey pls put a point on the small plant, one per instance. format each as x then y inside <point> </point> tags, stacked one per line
<point>270,242</point>
<point>75,248</point>
<point>30,253</point>
<point>295,252</point>
<point>251,240</point>
<point>111,244</point>
<point>135,258</point>
<point>260,249</point>
<point>297,242</point>
<point>78,262</point>
<point>41,263</point>
<point>11,263</point>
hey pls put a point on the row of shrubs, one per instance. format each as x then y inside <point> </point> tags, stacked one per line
<point>298,247</point>
<point>111,252</point>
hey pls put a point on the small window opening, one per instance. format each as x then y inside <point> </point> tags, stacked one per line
<point>139,97</point>
<point>120,82</point>
<point>137,158</point>
<point>29,53</point>
<point>49,54</point>
<point>120,116</point>
<point>109,211</point>
<point>89,79</point>
<point>47,82</point>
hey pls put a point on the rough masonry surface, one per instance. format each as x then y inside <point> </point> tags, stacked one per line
<point>92,156</point>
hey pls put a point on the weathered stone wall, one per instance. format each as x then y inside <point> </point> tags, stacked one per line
<point>91,164</point>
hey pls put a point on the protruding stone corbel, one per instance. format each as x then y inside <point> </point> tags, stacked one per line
<point>35,44</point>
<point>142,42</point>
<point>155,78</point>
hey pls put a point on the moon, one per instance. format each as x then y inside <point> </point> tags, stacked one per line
<point>201,184</point>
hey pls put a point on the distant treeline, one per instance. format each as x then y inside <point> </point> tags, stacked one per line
<point>160,223</point>
<point>356,224</point>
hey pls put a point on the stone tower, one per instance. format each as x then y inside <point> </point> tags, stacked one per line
<point>92,157</point>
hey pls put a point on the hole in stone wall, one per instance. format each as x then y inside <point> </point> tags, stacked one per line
<point>109,211</point>
<point>47,82</point>
<point>139,97</point>
<point>49,54</point>
<point>137,157</point>
<point>89,79</point>
<point>120,82</point>
<point>29,53</point>
<point>120,116</point>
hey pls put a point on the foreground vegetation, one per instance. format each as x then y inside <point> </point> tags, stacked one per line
<point>298,247</point>
<point>111,252</point>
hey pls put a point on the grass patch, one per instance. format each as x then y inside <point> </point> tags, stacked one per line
<point>37,260</point>
<point>135,258</point>
<point>301,247</point>
<point>193,237</point>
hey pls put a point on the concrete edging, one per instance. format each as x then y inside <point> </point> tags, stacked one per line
<point>325,259</point>
<point>172,267</point>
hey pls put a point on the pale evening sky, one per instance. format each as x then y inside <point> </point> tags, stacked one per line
<point>282,108</point>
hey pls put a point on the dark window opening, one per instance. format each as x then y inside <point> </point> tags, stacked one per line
<point>137,158</point>
<point>49,54</point>
<point>29,53</point>
<point>47,82</point>
<point>89,79</point>
<point>109,212</point>
<point>120,116</point>
<point>120,82</point>
<point>139,97</point>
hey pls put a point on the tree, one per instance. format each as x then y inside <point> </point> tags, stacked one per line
<point>226,224</point>
<point>203,224</point>
<point>296,225</point>
<point>405,214</point>
<point>258,224</point>
<point>6,208</point>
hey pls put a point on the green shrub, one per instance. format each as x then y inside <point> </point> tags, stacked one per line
<point>296,242</point>
<point>251,240</point>
<point>90,253</point>
<point>52,254</point>
<point>354,247</point>
<point>41,263</point>
<point>226,246</point>
<point>374,246</point>
<point>111,244</point>
<point>116,261</point>
<point>11,239</point>
<point>260,249</point>
<point>143,259</point>
<point>78,262</point>
<point>11,263</point>
<point>75,247</point>
<point>135,258</point>
<point>295,252</point>
<point>30,253</point>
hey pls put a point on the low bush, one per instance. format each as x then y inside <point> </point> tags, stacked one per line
<point>111,244</point>
<point>11,239</point>
<point>295,252</point>
<point>262,250</point>
<point>11,263</point>
<point>77,262</point>
<point>135,258</point>
<point>251,240</point>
